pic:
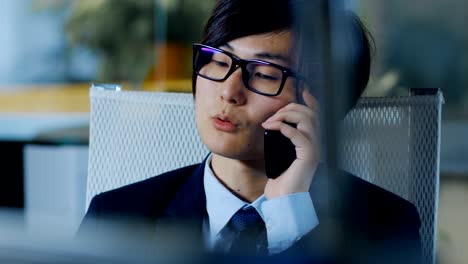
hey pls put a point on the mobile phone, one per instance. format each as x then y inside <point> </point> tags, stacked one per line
<point>279,151</point>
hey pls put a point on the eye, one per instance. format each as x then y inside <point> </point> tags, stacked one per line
<point>221,63</point>
<point>265,76</point>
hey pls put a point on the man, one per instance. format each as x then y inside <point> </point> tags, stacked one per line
<point>247,79</point>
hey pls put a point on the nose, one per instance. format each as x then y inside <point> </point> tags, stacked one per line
<point>233,89</point>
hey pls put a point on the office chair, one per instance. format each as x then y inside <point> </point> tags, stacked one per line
<point>393,142</point>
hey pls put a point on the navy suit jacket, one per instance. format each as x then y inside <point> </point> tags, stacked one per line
<point>359,222</point>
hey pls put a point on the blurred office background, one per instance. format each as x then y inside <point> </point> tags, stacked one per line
<point>51,50</point>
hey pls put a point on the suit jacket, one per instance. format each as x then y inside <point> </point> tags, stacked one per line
<point>359,222</point>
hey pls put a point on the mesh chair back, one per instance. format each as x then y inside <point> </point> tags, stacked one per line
<point>391,142</point>
<point>394,142</point>
<point>135,135</point>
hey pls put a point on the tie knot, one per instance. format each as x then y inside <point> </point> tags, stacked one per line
<point>246,217</point>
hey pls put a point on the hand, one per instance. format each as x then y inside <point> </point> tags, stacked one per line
<point>305,137</point>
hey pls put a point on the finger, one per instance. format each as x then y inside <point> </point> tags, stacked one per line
<point>296,107</point>
<point>307,126</point>
<point>306,123</point>
<point>293,117</point>
<point>304,110</point>
<point>312,105</point>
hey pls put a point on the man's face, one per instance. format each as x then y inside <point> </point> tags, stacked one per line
<point>228,115</point>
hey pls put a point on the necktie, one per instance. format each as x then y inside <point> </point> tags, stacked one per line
<point>249,232</point>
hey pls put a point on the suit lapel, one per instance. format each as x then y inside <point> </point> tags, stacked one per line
<point>187,211</point>
<point>190,200</point>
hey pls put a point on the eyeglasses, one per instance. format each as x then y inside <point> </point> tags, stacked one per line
<point>259,76</point>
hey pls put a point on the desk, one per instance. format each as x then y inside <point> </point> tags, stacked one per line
<point>69,98</point>
<point>43,110</point>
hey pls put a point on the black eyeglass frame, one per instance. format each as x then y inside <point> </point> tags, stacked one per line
<point>238,62</point>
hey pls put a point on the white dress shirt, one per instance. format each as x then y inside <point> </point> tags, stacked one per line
<point>286,218</point>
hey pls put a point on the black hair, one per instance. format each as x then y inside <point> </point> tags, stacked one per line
<point>360,50</point>
<point>232,19</point>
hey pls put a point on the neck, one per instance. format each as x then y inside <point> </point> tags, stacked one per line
<point>245,179</point>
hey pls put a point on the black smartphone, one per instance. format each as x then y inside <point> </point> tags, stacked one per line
<point>279,151</point>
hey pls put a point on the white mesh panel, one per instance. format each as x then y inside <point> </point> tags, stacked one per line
<point>137,135</point>
<point>395,143</point>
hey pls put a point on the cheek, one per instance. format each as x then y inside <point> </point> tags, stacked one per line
<point>268,106</point>
<point>204,86</point>
<point>203,97</point>
<point>200,109</point>
<point>204,103</point>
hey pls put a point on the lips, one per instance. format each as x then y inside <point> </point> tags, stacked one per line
<point>223,123</point>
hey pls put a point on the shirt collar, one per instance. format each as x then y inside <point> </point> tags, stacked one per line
<point>221,204</point>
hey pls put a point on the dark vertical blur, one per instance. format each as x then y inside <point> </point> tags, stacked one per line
<point>322,36</point>
<point>11,187</point>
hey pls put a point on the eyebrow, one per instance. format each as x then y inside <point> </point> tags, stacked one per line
<point>264,55</point>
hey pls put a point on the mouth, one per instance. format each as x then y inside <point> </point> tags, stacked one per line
<point>223,123</point>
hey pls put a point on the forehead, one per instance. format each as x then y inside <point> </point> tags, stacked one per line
<point>275,46</point>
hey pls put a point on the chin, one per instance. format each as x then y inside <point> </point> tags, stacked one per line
<point>232,149</point>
